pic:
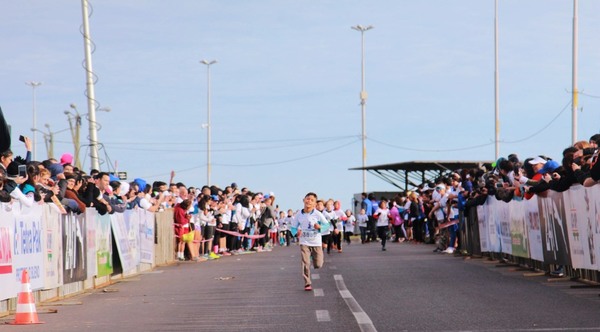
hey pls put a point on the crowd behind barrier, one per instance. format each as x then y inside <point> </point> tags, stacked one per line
<point>74,231</point>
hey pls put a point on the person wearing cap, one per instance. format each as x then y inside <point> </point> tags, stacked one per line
<point>546,174</point>
<point>308,224</point>
<point>536,164</point>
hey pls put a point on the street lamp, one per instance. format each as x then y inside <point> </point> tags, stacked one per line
<point>75,127</point>
<point>48,139</point>
<point>363,101</point>
<point>33,85</point>
<point>208,64</point>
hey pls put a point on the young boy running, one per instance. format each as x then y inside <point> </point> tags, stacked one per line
<point>309,223</point>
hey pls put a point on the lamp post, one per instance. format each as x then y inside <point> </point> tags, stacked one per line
<point>575,99</point>
<point>363,101</point>
<point>75,127</point>
<point>496,87</point>
<point>208,64</point>
<point>33,85</point>
<point>48,139</point>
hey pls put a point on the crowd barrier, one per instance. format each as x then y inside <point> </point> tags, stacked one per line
<point>556,229</point>
<point>68,254</point>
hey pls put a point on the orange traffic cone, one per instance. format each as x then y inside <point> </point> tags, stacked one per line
<point>26,313</point>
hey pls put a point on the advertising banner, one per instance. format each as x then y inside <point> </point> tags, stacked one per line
<point>103,251</point>
<point>28,252</point>
<point>74,248</point>
<point>52,246</point>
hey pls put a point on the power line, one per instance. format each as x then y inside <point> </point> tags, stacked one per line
<point>273,140</point>
<point>261,148</point>
<point>429,150</point>
<point>542,129</point>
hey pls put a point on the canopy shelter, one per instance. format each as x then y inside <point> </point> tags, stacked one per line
<point>411,174</point>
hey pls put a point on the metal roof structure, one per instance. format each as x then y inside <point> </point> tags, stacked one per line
<point>411,174</point>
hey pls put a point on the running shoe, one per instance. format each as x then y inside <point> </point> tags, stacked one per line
<point>308,288</point>
<point>214,256</point>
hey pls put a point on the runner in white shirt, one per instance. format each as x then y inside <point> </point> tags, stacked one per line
<point>383,222</point>
<point>308,224</point>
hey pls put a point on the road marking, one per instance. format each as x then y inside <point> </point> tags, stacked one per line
<point>333,267</point>
<point>319,292</point>
<point>363,320</point>
<point>315,276</point>
<point>323,316</point>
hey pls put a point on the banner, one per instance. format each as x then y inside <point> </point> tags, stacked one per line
<point>534,229</point>
<point>484,234</point>
<point>103,251</point>
<point>126,241</point>
<point>90,231</point>
<point>579,208</point>
<point>28,252</point>
<point>146,222</point>
<point>52,244</point>
<point>74,248</point>
<point>554,229</point>
<point>8,285</point>
<point>518,229</point>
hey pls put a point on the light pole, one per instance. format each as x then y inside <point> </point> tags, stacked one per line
<point>496,86</point>
<point>33,85</point>
<point>363,101</point>
<point>48,139</point>
<point>574,76</point>
<point>75,126</point>
<point>208,64</point>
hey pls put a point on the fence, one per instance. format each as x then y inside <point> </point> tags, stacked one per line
<point>68,254</point>
<point>557,229</point>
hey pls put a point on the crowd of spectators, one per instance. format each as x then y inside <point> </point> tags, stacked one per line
<point>435,211</point>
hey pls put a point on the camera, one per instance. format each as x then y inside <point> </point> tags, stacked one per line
<point>22,138</point>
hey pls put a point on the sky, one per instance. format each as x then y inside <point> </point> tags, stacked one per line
<point>285,107</point>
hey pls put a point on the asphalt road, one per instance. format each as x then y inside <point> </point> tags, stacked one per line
<point>406,288</point>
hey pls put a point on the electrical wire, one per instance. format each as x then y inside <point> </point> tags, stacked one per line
<point>261,148</point>
<point>542,129</point>
<point>321,139</point>
<point>260,164</point>
<point>429,150</point>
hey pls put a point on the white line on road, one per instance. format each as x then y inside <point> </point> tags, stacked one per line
<point>323,316</point>
<point>319,292</point>
<point>363,320</point>
<point>315,276</point>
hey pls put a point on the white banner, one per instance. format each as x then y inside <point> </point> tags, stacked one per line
<point>8,285</point>
<point>128,249</point>
<point>146,224</point>
<point>28,251</point>
<point>534,229</point>
<point>52,244</point>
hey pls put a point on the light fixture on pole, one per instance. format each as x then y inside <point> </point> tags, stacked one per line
<point>363,102</point>
<point>33,85</point>
<point>75,127</point>
<point>208,64</point>
<point>48,139</point>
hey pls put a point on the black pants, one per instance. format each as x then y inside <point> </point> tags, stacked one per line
<point>347,236</point>
<point>286,235</point>
<point>209,233</point>
<point>337,239</point>
<point>371,225</point>
<point>418,230</point>
<point>327,241</point>
<point>382,232</point>
<point>232,240</point>
<point>399,231</point>
<point>263,230</point>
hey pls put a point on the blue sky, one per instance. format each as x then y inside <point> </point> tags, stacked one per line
<point>285,91</point>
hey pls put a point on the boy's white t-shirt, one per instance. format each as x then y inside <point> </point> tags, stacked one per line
<point>383,219</point>
<point>305,222</point>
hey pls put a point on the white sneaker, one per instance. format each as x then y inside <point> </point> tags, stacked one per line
<point>449,250</point>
